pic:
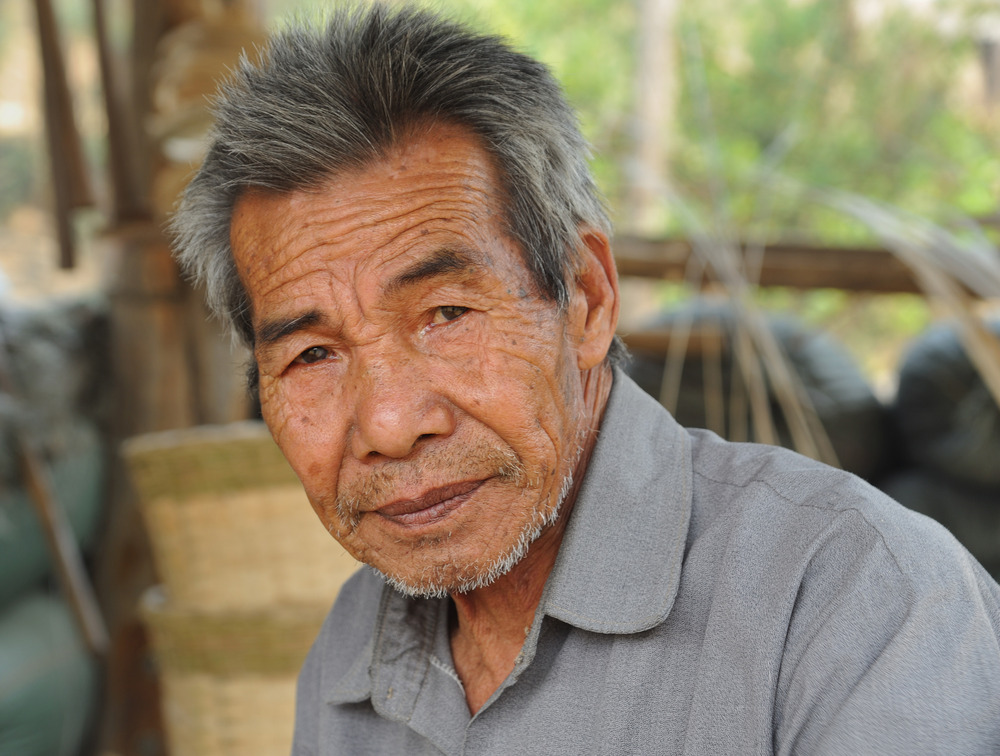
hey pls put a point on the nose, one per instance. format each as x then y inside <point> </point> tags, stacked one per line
<point>396,408</point>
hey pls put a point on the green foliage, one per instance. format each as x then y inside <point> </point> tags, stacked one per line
<point>73,16</point>
<point>588,45</point>
<point>6,25</point>
<point>872,107</point>
<point>797,89</point>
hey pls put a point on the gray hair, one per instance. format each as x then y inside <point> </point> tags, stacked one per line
<point>321,101</point>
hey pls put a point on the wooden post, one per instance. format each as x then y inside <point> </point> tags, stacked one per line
<point>173,368</point>
<point>129,196</point>
<point>69,176</point>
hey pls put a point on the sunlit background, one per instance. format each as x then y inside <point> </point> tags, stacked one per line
<point>718,116</point>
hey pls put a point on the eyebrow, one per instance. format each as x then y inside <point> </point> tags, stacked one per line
<point>270,331</point>
<point>442,262</point>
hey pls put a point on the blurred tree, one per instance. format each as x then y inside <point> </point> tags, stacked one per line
<point>590,46</point>
<point>655,106</point>
<point>827,94</point>
<point>872,108</point>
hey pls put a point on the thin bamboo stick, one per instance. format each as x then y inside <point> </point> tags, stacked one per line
<point>71,187</point>
<point>58,534</point>
<point>945,269</point>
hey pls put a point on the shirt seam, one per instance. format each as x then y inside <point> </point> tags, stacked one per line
<point>812,640</point>
<point>831,508</point>
<point>447,669</point>
<point>837,513</point>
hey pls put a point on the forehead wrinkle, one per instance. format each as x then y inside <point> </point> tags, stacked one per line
<point>403,208</point>
<point>327,226</point>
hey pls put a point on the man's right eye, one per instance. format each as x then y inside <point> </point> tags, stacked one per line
<point>311,355</point>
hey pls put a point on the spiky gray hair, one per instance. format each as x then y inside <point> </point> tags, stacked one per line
<point>324,100</point>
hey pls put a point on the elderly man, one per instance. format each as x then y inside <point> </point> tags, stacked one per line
<point>397,215</point>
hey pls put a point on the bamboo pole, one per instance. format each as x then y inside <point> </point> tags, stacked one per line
<point>71,187</point>
<point>129,200</point>
<point>949,273</point>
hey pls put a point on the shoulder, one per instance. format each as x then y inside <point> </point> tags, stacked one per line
<point>777,472</point>
<point>818,523</point>
<point>337,663</point>
<point>763,488</point>
<point>890,630</point>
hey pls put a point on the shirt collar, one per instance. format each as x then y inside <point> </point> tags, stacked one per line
<point>619,563</point>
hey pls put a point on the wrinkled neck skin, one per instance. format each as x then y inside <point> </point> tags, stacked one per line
<point>492,622</point>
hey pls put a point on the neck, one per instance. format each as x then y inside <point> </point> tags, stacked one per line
<point>492,622</point>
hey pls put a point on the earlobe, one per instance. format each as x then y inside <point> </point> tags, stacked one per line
<point>597,288</point>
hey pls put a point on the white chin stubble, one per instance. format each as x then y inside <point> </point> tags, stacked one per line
<point>439,580</point>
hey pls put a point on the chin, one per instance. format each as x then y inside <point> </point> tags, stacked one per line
<point>440,580</point>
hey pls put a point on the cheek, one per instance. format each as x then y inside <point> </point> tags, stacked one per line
<point>305,433</point>
<point>536,353</point>
<point>528,388</point>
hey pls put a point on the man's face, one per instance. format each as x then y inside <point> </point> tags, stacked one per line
<point>429,398</point>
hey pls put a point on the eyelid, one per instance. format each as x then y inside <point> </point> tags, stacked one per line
<point>298,359</point>
<point>437,310</point>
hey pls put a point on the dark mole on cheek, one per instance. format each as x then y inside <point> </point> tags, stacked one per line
<point>522,293</point>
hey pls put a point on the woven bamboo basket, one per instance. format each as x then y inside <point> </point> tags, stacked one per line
<point>231,528</point>
<point>228,679</point>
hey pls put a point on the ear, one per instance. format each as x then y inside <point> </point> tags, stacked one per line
<point>595,301</point>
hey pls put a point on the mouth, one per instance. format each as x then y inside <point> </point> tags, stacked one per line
<point>430,507</point>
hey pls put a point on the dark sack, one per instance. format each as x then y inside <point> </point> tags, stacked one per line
<point>852,416</point>
<point>947,419</point>
<point>48,681</point>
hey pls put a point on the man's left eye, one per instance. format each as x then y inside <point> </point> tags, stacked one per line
<point>312,355</point>
<point>448,313</point>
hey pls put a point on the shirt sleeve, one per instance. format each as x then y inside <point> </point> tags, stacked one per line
<point>897,652</point>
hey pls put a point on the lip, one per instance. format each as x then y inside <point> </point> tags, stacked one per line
<point>431,506</point>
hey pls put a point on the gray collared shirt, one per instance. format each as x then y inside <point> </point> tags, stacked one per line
<point>708,598</point>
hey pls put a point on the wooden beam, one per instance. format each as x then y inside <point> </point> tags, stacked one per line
<point>701,339</point>
<point>800,266</point>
